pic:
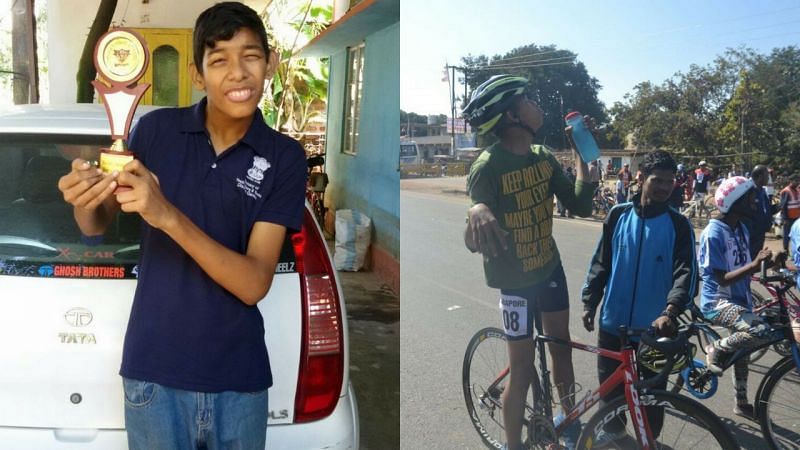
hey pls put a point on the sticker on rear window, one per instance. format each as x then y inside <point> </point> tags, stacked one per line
<point>128,271</point>
<point>284,267</point>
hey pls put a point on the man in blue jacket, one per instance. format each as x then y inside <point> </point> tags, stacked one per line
<point>644,272</point>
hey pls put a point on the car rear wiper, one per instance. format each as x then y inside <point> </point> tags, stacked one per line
<point>20,243</point>
<point>129,249</point>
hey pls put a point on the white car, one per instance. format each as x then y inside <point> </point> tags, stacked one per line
<point>65,307</point>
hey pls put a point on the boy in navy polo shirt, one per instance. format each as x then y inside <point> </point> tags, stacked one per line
<point>217,189</point>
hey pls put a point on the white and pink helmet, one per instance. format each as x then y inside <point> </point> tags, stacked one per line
<point>731,190</point>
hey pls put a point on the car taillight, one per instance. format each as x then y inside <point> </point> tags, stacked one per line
<point>321,356</point>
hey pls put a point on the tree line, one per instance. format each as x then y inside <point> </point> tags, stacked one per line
<point>741,109</point>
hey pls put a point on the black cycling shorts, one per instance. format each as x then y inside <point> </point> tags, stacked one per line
<point>518,305</point>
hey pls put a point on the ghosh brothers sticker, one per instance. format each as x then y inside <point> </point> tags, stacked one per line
<point>69,270</point>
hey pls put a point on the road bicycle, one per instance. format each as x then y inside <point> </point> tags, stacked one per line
<point>776,401</point>
<point>695,207</point>
<point>603,200</point>
<point>687,423</point>
<point>693,377</point>
<point>768,308</point>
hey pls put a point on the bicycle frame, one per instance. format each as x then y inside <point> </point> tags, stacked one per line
<point>626,374</point>
<point>779,294</point>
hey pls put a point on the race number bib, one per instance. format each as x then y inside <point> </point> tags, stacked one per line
<point>515,315</point>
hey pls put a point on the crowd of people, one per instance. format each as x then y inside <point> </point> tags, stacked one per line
<point>627,280</point>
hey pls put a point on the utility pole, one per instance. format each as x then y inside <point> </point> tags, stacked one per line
<point>746,166</point>
<point>563,135</point>
<point>23,44</point>
<point>453,110</point>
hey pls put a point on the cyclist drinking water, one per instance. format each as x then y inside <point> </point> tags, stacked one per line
<point>511,186</point>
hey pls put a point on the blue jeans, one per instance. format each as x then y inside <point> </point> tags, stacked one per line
<point>162,418</point>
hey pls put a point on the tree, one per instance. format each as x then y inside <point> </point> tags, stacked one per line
<point>86,69</point>
<point>558,81</point>
<point>409,118</point>
<point>739,110</point>
<point>24,61</point>
<point>299,87</point>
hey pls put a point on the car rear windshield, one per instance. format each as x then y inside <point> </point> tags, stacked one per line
<point>38,234</point>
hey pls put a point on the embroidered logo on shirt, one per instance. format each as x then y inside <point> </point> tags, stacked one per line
<point>260,165</point>
<point>255,175</point>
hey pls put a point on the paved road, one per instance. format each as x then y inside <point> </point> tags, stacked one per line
<point>373,312</point>
<point>444,301</point>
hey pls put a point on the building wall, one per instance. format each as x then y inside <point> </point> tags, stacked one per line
<point>368,182</point>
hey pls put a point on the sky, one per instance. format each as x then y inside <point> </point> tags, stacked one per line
<point>621,42</point>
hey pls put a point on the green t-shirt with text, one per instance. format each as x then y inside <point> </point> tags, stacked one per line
<point>519,190</point>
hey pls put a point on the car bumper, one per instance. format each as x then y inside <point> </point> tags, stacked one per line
<point>339,431</point>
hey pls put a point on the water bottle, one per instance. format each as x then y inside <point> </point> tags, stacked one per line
<point>583,138</point>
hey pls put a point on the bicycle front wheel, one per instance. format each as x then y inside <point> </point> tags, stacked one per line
<point>776,405</point>
<point>687,425</point>
<point>484,379</point>
<point>701,381</point>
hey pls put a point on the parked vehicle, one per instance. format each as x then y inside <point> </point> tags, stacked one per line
<point>409,153</point>
<point>66,303</point>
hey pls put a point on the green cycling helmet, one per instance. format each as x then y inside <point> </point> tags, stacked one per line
<point>491,99</point>
<point>655,360</point>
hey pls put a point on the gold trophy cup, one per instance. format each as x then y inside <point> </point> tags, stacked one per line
<point>121,58</point>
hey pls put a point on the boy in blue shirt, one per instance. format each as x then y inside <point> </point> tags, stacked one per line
<point>725,264</point>
<point>217,190</point>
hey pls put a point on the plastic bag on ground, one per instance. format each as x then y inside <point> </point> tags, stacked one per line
<point>353,233</point>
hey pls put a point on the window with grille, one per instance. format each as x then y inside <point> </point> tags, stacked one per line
<point>352,107</point>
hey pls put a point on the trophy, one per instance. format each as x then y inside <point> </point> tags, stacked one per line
<point>121,58</point>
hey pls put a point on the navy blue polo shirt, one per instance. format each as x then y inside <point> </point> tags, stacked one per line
<point>186,331</point>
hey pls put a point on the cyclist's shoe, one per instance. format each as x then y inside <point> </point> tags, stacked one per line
<point>614,440</point>
<point>715,359</point>
<point>745,410</point>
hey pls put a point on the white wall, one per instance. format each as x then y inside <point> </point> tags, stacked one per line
<point>69,22</point>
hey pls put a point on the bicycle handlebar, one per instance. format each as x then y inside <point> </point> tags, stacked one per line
<point>315,161</point>
<point>782,276</point>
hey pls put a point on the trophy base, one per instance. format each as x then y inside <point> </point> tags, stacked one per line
<point>111,160</point>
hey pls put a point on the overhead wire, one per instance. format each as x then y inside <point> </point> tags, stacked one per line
<point>490,68</point>
<point>529,55</point>
<point>530,62</point>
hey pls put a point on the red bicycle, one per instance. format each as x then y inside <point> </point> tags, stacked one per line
<point>686,423</point>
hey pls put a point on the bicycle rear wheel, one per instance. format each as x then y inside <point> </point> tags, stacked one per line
<point>483,383</point>
<point>687,424</point>
<point>776,405</point>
